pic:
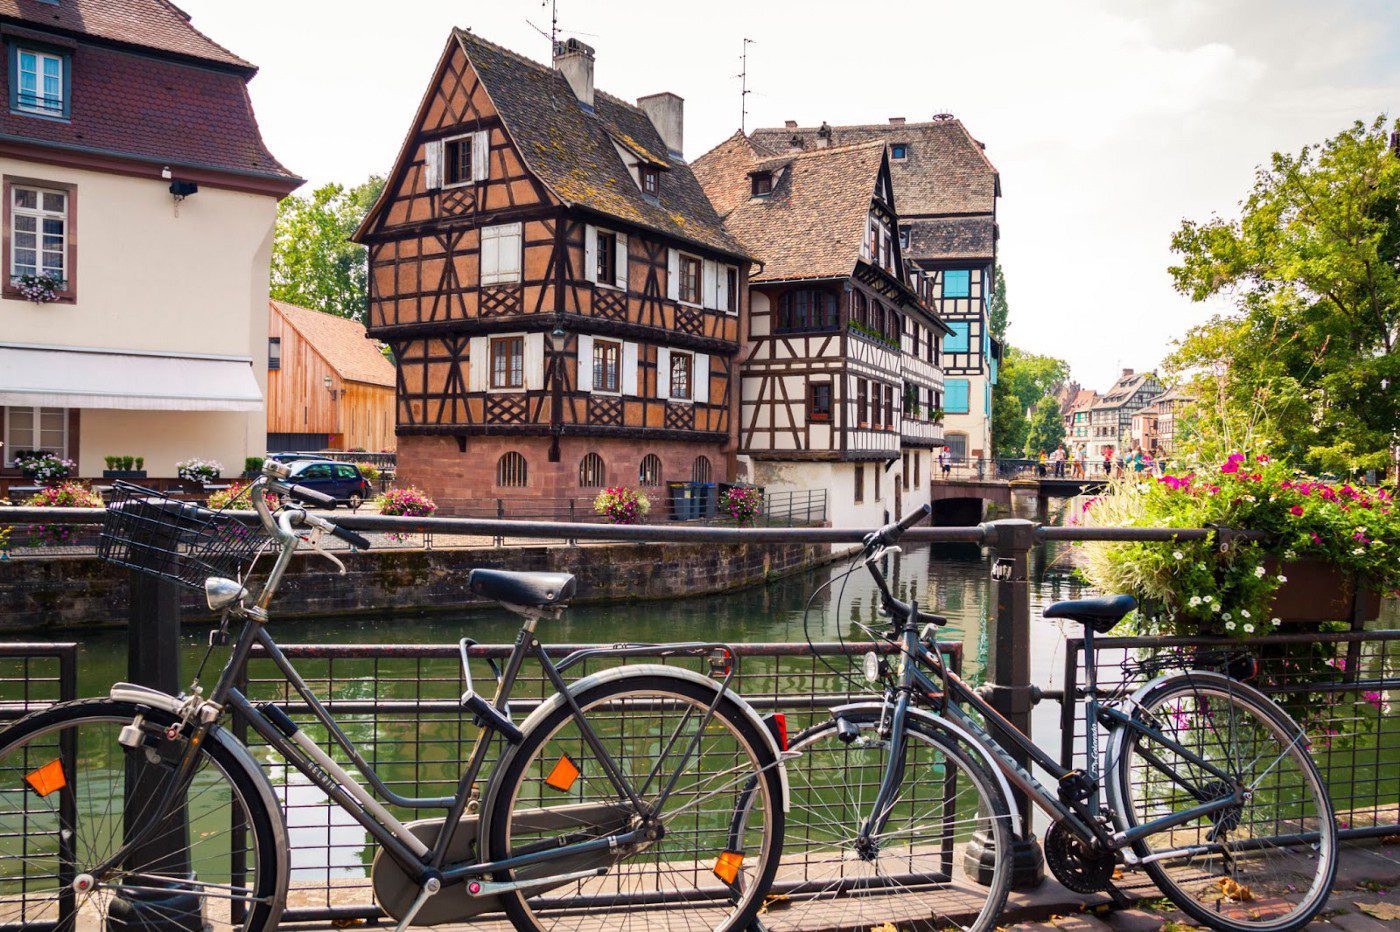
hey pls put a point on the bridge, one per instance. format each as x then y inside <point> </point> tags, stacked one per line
<point>1012,486</point>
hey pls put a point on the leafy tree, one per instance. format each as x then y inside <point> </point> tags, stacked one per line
<point>1045,429</point>
<point>1025,379</point>
<point>997,310</point>
<point>314,264</point>
<point>1306,363</point>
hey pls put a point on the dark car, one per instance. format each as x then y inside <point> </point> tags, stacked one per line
<point>341,481</point>
<point>290,457</point>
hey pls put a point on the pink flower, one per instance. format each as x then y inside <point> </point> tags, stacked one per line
<point>1296,510</point>
<point>1230,466</point>
<point>1261,458</point>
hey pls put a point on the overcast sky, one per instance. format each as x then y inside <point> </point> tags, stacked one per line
<point>1109,120</point>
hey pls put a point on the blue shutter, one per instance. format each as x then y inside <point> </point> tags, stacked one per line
<point>957,283</point>
<point>955,396</point>
<point>957,341</point>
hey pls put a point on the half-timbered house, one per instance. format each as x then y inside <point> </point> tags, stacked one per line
<point>947,190</point>
<point>839,349</point>
<point>562,301</point>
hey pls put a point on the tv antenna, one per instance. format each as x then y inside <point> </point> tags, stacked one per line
<point>744,91</point>
<point>553,34</point>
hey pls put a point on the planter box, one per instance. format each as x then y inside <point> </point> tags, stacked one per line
<point>1318,591</point>
<point>123,474</point>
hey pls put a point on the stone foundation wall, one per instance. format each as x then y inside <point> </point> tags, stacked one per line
<point>39,595</point>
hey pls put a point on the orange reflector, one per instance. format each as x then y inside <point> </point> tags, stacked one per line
<point>563,775</point>
<point>727,867</point>
<point>48,778</point>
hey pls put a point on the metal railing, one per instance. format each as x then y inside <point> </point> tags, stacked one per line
<point>36,675</point>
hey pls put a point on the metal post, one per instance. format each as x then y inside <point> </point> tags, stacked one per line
<point>1008,685</point>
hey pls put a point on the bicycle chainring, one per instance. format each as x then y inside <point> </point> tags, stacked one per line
<point>1074,864</point>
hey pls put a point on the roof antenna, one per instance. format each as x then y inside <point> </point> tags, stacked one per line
<point>744,91</point>
<point>553,34</point>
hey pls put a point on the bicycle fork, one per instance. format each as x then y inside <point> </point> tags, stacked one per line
<point>866,844</point>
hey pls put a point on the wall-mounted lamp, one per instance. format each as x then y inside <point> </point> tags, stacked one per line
<point>558,338</point>
<point>330,387</point>
<point>183,189</point>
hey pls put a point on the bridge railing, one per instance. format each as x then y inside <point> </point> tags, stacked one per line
<point>1005,469</point>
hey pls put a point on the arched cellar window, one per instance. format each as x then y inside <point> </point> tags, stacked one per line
<point>591,471</point>
<point>512,472</point>
<point>700,472</point>
<point>650,472</point>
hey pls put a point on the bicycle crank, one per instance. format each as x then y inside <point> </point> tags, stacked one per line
<point>1075,864</point>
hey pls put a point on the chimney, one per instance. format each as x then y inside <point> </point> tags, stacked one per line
<point>790,124</point>
<point>574,60</point>
<point>667,113</point>
<point>824,135</point>
<point>1126,373</point>
<point>896,121</point>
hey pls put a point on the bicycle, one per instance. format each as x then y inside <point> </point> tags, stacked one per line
<point>638,791</point>
<point>1205,784</point>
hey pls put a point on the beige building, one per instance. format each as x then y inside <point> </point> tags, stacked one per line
<point>151,340</point>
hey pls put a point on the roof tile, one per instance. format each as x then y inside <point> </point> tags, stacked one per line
<point>154,24</point>
<point>341,342</point>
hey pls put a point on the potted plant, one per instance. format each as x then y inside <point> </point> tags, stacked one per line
<point>621,505</point>
<point>41,289</point>
<point>43,466</point>
<point>410,502</point>
<point>252,466</point>
<point>124,467</point>
<point>61,495</point>
<point>937,416</point>
<point>742,504</point>
<point>199,470</point>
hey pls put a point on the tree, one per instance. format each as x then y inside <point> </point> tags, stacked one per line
<point>1024,380</point>
<point>1306,364</point>
<point>997,310</point>
<point>314,264</point>
<point>1046,428</point>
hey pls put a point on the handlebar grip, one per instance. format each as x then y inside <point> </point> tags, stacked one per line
<point>309,495</point>
<point>891,532</point>
<point>358,541</point>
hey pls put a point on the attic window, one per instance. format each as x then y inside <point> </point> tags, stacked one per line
<point>651,180</point>
<point>899,151</point>
<point>762,183</point>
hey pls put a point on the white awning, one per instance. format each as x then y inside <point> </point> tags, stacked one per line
<point>67,377</point>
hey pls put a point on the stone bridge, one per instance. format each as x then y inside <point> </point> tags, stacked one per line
<point>964,500</point>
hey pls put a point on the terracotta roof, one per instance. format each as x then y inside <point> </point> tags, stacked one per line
<point>341,342</point>
<point>152,24</point>
<point>812,225</point>
<point>952,238</point>
<point>945,172</point>
<point>572,151</point>
<point>1128,385</point>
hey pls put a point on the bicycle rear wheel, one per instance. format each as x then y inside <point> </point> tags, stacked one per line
<point>69,796</point>
<point>1267,864</point>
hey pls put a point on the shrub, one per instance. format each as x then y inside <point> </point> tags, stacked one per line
<point>63,495</point>
<point>621,505</point>
<point>140,462</point>
<point>199,470</point>
<point>742,503</point>
<point>369,471</point>
<point>252,465</point>
<point>408,501</point>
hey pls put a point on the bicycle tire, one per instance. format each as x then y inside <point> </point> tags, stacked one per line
<point>610,706</point>
<point>79,738</point>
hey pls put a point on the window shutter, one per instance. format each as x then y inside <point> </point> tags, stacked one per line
<point>629,369</point>
<point>590,253</point>
<point>481,155</point>
<point>620,273</point>
<point>534,361</point>
<point>432,164</point>
<point>585,361</point>
<point>709,296</point>
<point>722,288</point>
<point>663,371</point>
<point>673,275</point>
<point>490,255</point>
<point>701,390</point>
<point>478,364</point>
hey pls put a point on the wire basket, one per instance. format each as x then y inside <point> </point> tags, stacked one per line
<point>153,533</point>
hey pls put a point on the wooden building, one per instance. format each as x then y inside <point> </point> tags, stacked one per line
<point>1111,417</point>
<point>840,363</point>
<point>947,190</point>
<point>562,301</point>
<point>329,387</point>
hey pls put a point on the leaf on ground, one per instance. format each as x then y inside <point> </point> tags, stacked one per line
<point>1385,912</point>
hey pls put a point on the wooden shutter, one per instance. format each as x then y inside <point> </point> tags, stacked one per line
<point>673,275</point>
<point>481,155</point>
<point>663,370</point>
<point>700,391</point>
<point>585,361</point>
<point>620,270</point>
<point>629,369</point>
<point>490,255</point>
<point>534,361</point>
<point>432,164</point>
<point>479,364</point>
<point>590,252</point>
<point>722,288</point>
<point>709,290</point>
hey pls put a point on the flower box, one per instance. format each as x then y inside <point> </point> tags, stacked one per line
<point>1317,590</point>
<point>123,474</point>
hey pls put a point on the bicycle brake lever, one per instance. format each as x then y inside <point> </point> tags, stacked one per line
<point>315,541</point>
<point>880,554</point>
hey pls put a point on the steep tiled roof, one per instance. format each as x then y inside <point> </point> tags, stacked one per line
<point>1124,389</point>
<point>573,153</point>
<point>952,238</point>
<point>946,171</point>
<point>813,223</point>
<point>153,24</point>
<point>341,342</point>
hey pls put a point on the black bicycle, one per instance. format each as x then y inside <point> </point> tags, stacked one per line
<point>647,793</point>
<point>1205,784</point>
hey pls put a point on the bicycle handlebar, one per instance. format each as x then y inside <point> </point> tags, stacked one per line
<point>307,495</point>
<point>892,532</point>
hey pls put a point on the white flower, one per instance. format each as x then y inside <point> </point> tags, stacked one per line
<point>1248,629</point>
<point>1178,555</point>
<point>1227,616</point>
<point>1215,606</point>
<point>1195,600</point>
<point>1358,551</point>
<point>1249,498</point>
<point>1244,613</point>
<point>1276,622</point>
<point>1259,571</point>
<point>1230,625</point>
<point>1282,578</point>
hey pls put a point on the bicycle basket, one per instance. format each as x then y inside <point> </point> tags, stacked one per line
<point>153,533</point>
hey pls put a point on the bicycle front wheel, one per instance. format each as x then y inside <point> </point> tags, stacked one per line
<point>701,847</point>
<point>1265,864</point>
<point>70,798</point>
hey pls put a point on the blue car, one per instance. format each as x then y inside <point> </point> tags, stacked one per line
<point>341,481</point>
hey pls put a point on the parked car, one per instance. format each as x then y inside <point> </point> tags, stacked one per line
<point>289,457</point>
<point>341,481</point>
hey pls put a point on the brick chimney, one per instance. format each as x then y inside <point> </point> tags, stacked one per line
<point>1126,373</point>
<point>790,124</point>
<point>896,121</point>
<point>667,114</point>
<point>574,60</point>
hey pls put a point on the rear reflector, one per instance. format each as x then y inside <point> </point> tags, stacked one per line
<point>727,867</point>
<point>777,726</point>
<point>48,778</point>
<point>563,775</point>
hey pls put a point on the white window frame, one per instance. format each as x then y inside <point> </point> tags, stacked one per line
<point>434,158</point>
<point>34,442</point>
<point>670,380</point>
<point>500,275</point>
<point>621,258</point>
<point>681,258</point>
<point>40,214</point>
<point>39,59</point>
<point>593,372</point>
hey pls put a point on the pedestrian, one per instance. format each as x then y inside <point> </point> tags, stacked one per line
<point>1107,462</point>
<point>945,460</point>
<point>1058,458</point>
<point>1040,464</point>
<point>1081,461</point>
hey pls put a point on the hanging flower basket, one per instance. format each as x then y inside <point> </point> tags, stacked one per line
<point>41,289</point>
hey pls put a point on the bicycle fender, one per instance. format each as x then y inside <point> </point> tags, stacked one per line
<point>938,723</point>
<point>155,699</point>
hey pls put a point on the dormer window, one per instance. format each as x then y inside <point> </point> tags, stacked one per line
<point>762,183</point>
<point>41,82</point>
<point>899,151</point>
<point>651,180</point>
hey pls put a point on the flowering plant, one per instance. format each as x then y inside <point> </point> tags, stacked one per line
<point>407,501</point>
<point>41,289</point>
<point>369,471</point>
<point>236,498</point>
<point>743,503</point>
<point>622,505</point>
<point>64,495</point>
<point>199,470</point>
<point>44,466</point>
<point>1205,591</point>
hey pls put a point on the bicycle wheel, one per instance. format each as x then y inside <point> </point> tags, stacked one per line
<point>917,872</point>
<point>709,849</point>
<point>1266,864</point>
<point>70,793</point>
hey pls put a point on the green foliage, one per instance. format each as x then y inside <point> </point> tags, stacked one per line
<point>1025,379</point>
<point>314,264</point>
<point>1045,430</point>
<point>997,310</point>
<point>1305,365</point>
<point>252,465</point>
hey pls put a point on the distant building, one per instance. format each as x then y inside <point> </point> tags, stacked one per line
<point>1111,416</point>
<point>1077,414</point>
<point>1154,427</point>
<point>130,131</point>
<point>947,191</point>
<point>329,387</point>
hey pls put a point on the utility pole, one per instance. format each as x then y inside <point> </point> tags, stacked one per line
<point>744,87</point>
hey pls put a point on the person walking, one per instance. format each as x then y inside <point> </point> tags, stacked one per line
<point>1081,461</point>
<point>945,460</point>
<point>1107,462</point>
<point>1058,458</point>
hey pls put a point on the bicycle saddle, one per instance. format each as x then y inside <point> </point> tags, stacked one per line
<point>529,590</point>
<point>1101,614</point>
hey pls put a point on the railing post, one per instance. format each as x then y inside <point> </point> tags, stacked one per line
<point>1008,683</point>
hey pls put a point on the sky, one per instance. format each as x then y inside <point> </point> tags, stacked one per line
<point>1109,120</point>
